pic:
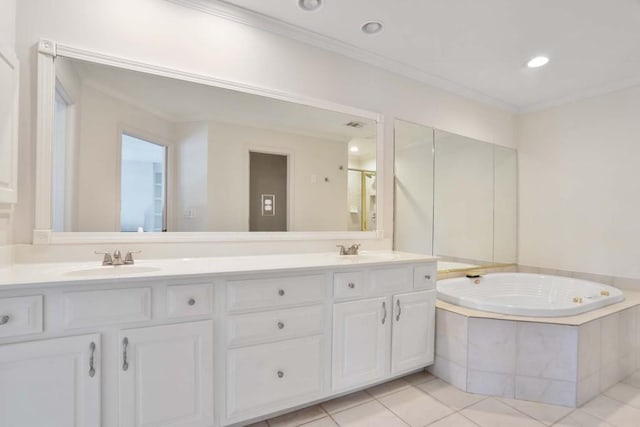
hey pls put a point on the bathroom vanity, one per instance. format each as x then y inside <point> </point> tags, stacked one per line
<point>210,341</point>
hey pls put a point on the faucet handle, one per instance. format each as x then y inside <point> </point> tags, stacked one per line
<point>128,258</point>
<point>107,260</point>
<point>343,249</point>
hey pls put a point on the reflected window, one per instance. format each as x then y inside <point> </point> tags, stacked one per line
<point>143,185</point>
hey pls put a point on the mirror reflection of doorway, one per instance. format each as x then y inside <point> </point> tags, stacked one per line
<point>267,192</point>
<point>362,200</point>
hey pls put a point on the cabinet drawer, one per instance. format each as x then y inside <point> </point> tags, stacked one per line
<point>255,328</point>
<point>92,308</point>
<point>348,285</point>
<point>20,316</point>
<point>275,292</point>
<point>391,279</point>
<point>189,300</point>
<point>265,378</point>
<point>424,276</point>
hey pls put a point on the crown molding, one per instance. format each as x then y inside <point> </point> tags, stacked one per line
<point>253,19</point>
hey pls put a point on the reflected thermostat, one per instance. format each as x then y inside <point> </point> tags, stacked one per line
<point>268,204</point>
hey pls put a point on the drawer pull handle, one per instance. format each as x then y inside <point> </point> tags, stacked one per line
<point>191,301</point>
<point>427,277</point>
<point>281,292</point>
<point>280,325</point>
<point>399,311</point>
<point>92,369</point>
<point>384,310</point>
<point>4,319</point>
<point>351,285</point>
<point>125,344</point>
<point>280,374</point>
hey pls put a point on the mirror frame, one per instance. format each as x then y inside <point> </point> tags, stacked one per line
<point>48,50</point>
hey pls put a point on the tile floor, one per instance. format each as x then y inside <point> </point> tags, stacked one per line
<point>424,400</point>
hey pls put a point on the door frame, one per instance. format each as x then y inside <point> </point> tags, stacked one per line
<point>263,149</point>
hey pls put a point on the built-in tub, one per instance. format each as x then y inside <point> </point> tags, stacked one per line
<point>528,294</point>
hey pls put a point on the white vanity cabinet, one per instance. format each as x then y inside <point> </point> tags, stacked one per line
<point>166,375</point>
<point>54,382</point>
<point>379,337</point>
<point>217,350</point>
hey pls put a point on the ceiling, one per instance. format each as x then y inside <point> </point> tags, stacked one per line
<point>480,48</point>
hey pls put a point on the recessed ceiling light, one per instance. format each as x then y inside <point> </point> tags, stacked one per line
<point>354,149</point>
<point>538,61</point>
<point>309,4</point>
<point>372,27</point>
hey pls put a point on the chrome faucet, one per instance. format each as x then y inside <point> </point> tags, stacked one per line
<point>351,250</point>
<point>116,259</point>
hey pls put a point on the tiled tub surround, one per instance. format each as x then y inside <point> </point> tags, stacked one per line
<point>563,361</point>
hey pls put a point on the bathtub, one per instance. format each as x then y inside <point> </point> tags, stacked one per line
<point>528,294</point>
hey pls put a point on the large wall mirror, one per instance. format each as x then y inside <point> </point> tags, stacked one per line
<point>137,150</point>
<point>455,197</point>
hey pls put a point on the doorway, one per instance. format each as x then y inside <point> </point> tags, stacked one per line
<point>268,191</point>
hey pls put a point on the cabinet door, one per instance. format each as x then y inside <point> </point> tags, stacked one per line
<point>51,383</point>
<point>413,331</point>
<point>361,331</point>
<point>166,376</point>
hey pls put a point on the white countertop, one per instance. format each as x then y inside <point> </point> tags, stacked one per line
<point>20,275</point>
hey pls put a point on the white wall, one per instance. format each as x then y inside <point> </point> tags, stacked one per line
<point>7,37</point>
<point>580,186</point>
<point>164,33</point>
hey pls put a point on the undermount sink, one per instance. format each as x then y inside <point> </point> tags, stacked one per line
<point>111,271</point>
<point>366,257</point>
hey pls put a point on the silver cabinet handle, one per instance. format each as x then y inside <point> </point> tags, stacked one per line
<point>4,319</point>
<point>280,374</point>
<point>280,325</point>
<point>351,285</point>
<point>384,310</point>
<point>399,310</point>
<point>125,344</point>
<point>281,292</point>
<point>92,369</point>
<point>191,301</point>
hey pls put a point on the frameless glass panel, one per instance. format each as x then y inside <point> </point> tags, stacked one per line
<point>463,198</point>
<point>506,205</point>
<point>143,188</point>
<point>413,188</point>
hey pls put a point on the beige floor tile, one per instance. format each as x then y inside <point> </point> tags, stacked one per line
<point>346,402</point>
<point>613,412</point>
<point>419,377</point>
<point>493,413</point>
<point>370,414</point>
<point>625,393</point>
<point>388,388</point>
<point>450,395</point>
<point>415,407</point>
<point>322,422</point>
<point>580,418</point>
<point>260,424</point>
<point>543,412</point>
<point>297,418</point>
<point>633,380</point>
<point>454,420</point>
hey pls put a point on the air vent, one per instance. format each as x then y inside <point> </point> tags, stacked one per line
<point>356,125</point>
